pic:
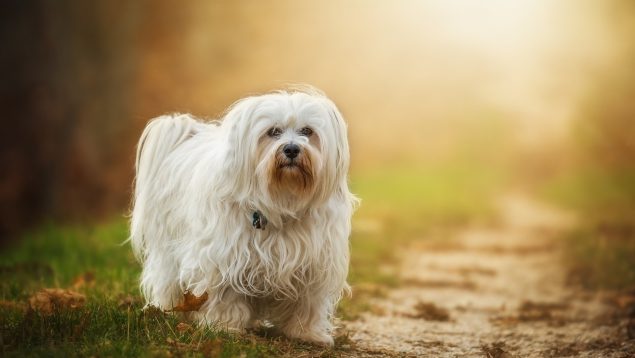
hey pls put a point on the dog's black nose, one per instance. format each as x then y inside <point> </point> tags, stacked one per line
<point>291,150</point>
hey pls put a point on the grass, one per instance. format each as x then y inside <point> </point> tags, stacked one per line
<point>55,256</point>
<point>607,196</point>
<point>102,328</point>
<point>602,247</point>
<point>398,206</point>
<point>600,257</point>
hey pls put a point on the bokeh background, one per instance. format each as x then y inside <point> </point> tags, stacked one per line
<point>450,103</point>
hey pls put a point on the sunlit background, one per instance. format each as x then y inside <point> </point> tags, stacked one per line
<point>450,103</point>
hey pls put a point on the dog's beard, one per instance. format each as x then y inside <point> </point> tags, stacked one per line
<point>291,178</point>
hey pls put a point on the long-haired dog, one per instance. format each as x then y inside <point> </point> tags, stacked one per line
<point>253,210</point>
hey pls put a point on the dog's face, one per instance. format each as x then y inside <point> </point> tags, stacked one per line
<point>290,148</point>
<point>289,156</point>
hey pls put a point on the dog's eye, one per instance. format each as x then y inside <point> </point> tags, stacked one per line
<point>274,132</point>
<point>306,131</point>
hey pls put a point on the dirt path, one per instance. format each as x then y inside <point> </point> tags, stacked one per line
<point>491,293</point>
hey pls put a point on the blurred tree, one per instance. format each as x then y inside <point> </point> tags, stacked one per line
<point>605,132</point>
<point>607,127</point>
<point>68,72</point>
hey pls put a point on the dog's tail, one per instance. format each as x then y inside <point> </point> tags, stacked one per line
<point>160,137</point>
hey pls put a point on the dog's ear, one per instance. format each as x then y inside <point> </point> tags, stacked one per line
<point>237,128</point>
<point>342,160</point>
<point>341,156</point>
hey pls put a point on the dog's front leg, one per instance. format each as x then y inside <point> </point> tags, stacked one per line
<point>225,309</point>
<point>310,320</point>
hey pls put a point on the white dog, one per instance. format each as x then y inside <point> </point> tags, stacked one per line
<point>253,210</point>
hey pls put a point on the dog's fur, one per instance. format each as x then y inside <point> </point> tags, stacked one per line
<point>197,188</point>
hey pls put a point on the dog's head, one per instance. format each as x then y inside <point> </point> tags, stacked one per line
<point>287,149</point>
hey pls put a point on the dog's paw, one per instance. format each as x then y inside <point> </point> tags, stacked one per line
<point>233,329</point>
<point>319,338</point>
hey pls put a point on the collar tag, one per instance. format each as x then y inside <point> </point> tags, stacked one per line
<point>259,220</point>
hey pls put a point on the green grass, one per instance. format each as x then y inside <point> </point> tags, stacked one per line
<point>601,257</point>
<point>600,250</point>
<point>102,328</point>
<point>400,204</point>
<point>55,256</point>
<point>599,194</point>
<point>417,199</point>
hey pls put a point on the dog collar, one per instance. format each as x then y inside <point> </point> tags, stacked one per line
<point>259,220</point>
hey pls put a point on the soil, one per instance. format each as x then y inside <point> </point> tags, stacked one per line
<point>492,292</point>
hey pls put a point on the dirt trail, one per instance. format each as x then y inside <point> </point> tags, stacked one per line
<point>497,292</point>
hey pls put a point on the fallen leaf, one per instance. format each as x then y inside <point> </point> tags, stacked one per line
<point>563,350</point>
<point>531,305</point>
<point>505,320</point>
<point>48,300</point>
<point>128,301</point>
<point>11,305</point>
<point>538,311</point>
<point>623,301</point>
<point>183,327</point>
<point>85,279</point>
<point>212,348</point>
<point>152,312</point>
<point>430,312</point>
<point>179,346</point>
<point>496,350</point>
<point>190,303</point>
